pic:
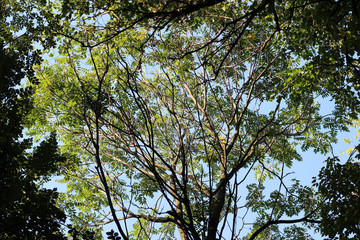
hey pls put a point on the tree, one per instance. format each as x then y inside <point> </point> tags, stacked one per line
<point>339,183</point>
<point>168,106</point>
<point>27,211</point>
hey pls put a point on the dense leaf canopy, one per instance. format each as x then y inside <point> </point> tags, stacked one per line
<point>27,211</point>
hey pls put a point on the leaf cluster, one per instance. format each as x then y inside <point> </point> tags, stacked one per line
<point>339,184</point>
<point>27,210</point>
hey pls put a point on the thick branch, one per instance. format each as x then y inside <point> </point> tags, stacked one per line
<point>273,222</point>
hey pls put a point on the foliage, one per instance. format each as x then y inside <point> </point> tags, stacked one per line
<point>339,183</point>
<point>113,235</point>
<point>168,107</point>
<point>27,211</point>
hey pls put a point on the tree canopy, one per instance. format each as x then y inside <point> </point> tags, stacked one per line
<point>27,211</point>
<point>177,114</point>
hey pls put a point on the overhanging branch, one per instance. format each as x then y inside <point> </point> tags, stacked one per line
<point>290,221</point>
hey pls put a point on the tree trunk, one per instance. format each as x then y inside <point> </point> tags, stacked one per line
<point>217,205</point>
